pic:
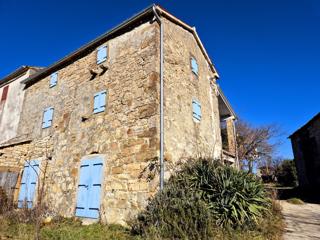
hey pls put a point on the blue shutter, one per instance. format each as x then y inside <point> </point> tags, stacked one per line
<point>99,102</point>
<point>95,189</point>
<point>53,79</point>
<point>101,54</point>
<point>47,117</point>
<point>89,188</point>
<point>194,66</point>
<point>83,189</point>
<point>28,184</point>
<point>196,110</point>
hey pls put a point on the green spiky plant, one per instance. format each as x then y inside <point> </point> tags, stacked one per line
<point>200,197</point>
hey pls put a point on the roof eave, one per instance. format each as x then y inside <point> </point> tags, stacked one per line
<point>87,47</point>
<point>99,40</point>
<point>225,100</point>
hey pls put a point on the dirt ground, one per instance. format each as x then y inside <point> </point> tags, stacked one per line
<point>302,221</point>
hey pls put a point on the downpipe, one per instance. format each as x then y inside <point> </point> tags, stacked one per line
<point>158,19</point>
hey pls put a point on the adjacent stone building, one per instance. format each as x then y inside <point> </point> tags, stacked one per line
<point>306,148</point>
<point>12,95</point>
<point>97,126</point>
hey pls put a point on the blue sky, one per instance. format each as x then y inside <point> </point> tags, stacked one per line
<point>266,52</point>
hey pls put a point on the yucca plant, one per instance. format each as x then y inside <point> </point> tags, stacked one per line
<point>202,196</point>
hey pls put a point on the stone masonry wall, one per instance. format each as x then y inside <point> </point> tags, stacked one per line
<point>306,149</point>
<point>184,137</point>
<point>126,134</point>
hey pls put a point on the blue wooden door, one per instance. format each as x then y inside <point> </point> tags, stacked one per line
<point>28,184</point>
<point>89,188</point>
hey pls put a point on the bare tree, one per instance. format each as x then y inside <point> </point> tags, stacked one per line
<point>256,144</point>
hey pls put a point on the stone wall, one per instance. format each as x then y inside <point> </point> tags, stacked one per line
<point>10,108</point>
<point>306,149</point>
<point>126,134</point>
<point>184,137</point>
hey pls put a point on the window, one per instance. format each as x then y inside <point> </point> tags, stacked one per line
<point>4,93</point>
<point>99,102</point>
<point>101,54</point>
<point>53,79</point>
<point>47,117</point>
<point>194,66</point>
<point>196,106</point>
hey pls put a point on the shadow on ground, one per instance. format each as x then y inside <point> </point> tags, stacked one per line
<point>308,195</point>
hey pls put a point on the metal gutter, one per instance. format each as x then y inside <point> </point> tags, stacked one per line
<point>154,9</point>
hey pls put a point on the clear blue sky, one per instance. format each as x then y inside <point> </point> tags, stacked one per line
<point>267,52</point>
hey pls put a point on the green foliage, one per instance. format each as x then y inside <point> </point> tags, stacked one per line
<point>286,173</point>
<point>296,201</point>
<point>65,229</point>
<point>203,196</point>
<point>4,201</point>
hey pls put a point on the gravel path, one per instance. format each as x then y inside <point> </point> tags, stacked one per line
<point>302,221</point>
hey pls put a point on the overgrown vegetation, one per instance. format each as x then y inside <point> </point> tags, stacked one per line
<point>206,200</point>
<point>296,201</point>
<point>286,173</point>
<point>64,229</point>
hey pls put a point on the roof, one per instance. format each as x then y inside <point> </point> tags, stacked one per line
<point>129,24</point>
<point>315,118</point>
<point>229,109</point>
<point>18,72</point>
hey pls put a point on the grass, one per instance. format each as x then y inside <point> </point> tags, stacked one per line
<point>65,229</point>
<point>70,229</point>
<point>296,201</point>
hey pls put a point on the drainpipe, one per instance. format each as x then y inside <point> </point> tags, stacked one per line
<point>158,19</point>
<point>236,143</point>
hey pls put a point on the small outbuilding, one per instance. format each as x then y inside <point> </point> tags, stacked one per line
<point>306,149</point>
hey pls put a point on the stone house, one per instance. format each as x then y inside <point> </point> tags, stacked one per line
<point>306,149</point>
<point>108,123</point>
<point>12,95</point>
<point>11,100</point>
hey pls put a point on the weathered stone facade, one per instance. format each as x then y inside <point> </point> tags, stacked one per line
<point>185,137</point>
<point>306,149</point>
<point>126,134</point>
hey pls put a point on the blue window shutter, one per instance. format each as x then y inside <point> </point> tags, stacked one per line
<point>83,189</point>
<point>23,187</point>
<point>96,103</point>
<point>99,102</point>
<point>95,189</point>
<point>89,188</point>
<point>28,184</point>
<point>53,79</point>
<point>50,116</point>
<point>194,66</point>
<point>101,54</point>
<point>196,110</point>
<point>47,117</point>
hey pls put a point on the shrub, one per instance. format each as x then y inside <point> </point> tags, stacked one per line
<point>296,201</point>
<point>4,201</point>
<point>286,173</point>
<point>201,197</point>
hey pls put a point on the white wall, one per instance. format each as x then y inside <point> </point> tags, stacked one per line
<point>10,112</point>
